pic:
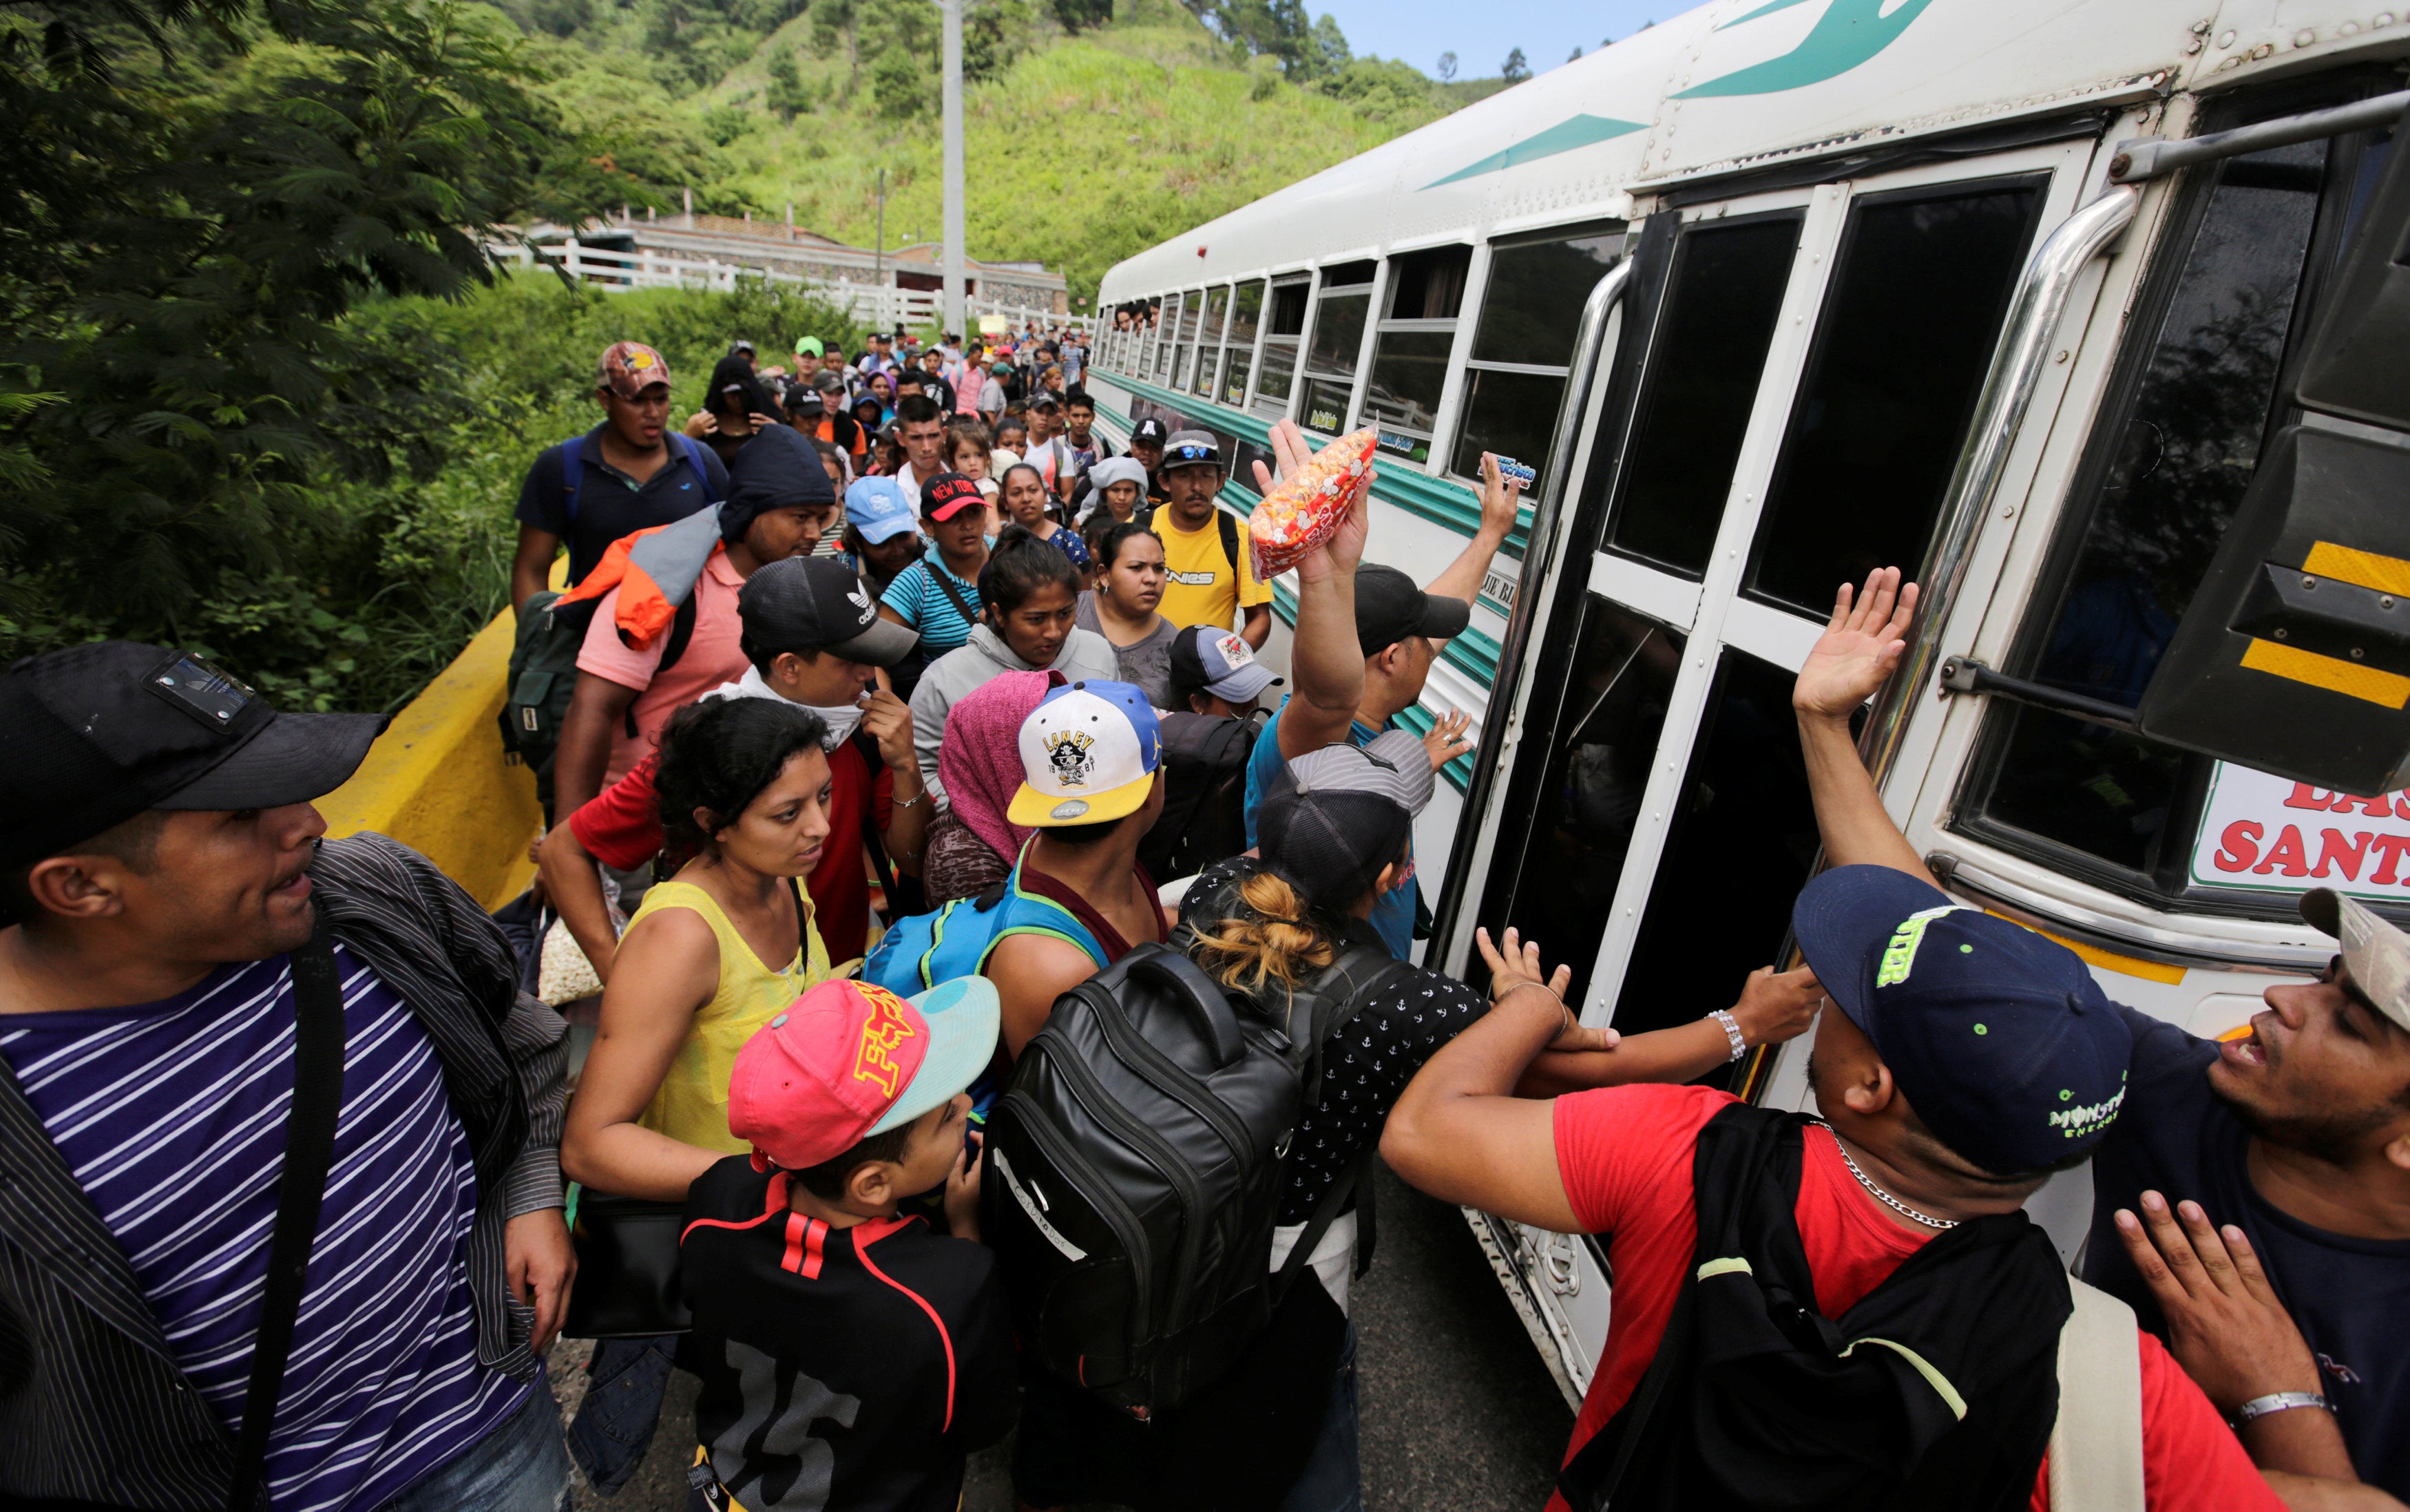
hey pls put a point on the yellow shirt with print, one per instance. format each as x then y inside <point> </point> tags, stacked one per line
<point>1203,586</point>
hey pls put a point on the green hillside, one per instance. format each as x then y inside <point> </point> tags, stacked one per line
<point>1082,146</point>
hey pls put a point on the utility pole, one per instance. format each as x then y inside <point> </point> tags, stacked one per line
<point>953,110</point>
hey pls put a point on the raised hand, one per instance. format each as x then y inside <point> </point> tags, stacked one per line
<point>1861,643</point>
<point>1501,498</point>
<point>1514,969</point>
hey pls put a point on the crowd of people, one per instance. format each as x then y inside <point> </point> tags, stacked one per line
<point>914,795</point>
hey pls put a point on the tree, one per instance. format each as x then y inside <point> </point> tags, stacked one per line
<point>1515,70</point>
<point>1575,56</point>
<point>1447,65</point>
<point>786,94</point>
<point>203,195</point>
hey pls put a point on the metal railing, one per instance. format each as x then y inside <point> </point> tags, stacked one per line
<point>879,305</point>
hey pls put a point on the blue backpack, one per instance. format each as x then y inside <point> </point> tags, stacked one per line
<point>926,949</point>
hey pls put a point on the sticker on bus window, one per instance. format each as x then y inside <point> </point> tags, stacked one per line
<point>2273,834</point>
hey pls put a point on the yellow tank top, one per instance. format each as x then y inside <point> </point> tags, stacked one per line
<point>691,1104</point>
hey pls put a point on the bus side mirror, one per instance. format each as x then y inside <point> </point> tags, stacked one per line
<point>2294,657</point>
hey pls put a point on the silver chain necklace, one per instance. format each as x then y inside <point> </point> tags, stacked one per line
<point>1885,1198</point>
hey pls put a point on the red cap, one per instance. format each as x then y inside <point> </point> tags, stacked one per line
<point>847,1059</point>
<point>949,494</point>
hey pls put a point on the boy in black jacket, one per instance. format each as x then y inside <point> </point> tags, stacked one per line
<point>850,1358</point>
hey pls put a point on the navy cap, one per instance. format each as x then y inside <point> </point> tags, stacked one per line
<point>1998,1035</point>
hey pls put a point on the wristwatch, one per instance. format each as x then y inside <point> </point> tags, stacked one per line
<point>1732,1032</point>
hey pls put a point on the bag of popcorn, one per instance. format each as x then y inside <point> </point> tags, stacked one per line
<point>1305,510</point>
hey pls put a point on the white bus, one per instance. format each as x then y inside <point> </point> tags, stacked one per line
<point>1771,294</point>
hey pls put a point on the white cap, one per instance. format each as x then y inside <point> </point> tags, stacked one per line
<point>2375,952</point>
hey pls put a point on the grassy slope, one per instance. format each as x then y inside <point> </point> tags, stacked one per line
<point>1085,149</point>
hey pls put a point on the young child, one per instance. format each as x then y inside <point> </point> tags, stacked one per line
<point>850,1358</point>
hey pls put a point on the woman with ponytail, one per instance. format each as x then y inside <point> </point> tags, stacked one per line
<point>1027,593</point>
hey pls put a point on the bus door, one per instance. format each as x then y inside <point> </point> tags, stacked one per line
<point>1794,385</point>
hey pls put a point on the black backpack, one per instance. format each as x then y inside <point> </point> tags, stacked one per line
<point>1135,1170</point>
<point>1204,816</point>
<point>543,650</point>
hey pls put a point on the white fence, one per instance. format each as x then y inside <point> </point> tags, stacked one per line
<point>876,305</point>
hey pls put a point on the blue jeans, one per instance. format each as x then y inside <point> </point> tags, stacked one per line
<point>627,1381</point>
<point>517,1467</point>
<point>1333,1480</point>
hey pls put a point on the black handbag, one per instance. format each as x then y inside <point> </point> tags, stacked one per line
<point>627,1269</point>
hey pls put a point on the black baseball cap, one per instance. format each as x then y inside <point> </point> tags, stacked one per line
<point>94,735</point>
<point>804,401</point>
<point>817,603</point>
<point>1148,430</point>
<point>1334,818</point>
<point>1389,607</point>
<point>1046,399</point>
<point>2000,1037</point>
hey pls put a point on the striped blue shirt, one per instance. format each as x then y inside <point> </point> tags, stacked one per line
<point>173,1117</point>
<point>926,607</point>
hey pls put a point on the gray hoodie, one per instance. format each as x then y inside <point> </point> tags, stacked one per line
<point>1086,655</point>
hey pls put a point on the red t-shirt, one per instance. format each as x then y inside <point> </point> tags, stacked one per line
<point>1625,1156</point>
<point>621,827</point>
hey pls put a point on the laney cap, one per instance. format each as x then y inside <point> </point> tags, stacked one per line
<point>2375,952</point>
<point>1088,754</point>
<point>93,735</point>
<point>817,603</point>
<point>1999,1037</point>
<point>847,1060</point>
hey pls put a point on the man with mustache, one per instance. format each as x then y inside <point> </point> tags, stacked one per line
<point>280,1183</point>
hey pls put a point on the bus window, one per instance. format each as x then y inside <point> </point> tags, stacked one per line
<point>1517,374</point>
<point>1246,309</point>
<point>1739,849</point>
<point>1209,340</point>
<point>1561,887</point>
<point>1921,286</point>
<point>1721,305</point>
<point>2168,467</point>
<point>1338,335</point>
<point>1183,349</point>
<point>1410,351</point>
<point>1166,321</point>
<point>1282,331</point>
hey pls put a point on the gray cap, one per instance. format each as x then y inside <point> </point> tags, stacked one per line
<point>2375,953</point>
<point>1191,448</point>
<point>1393,765</point>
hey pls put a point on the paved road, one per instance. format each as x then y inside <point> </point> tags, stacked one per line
<point>1458,1410</point>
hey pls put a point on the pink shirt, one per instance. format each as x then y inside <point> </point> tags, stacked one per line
<point>711,658</point>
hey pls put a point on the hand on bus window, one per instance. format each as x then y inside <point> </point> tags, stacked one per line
<point>1861,643</point>
<point>1446,740</point>
<point>1777,1006</point>
<point>1502,498</point>
<point>1515,966</point>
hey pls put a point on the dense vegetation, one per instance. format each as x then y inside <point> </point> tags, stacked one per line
<point>262,395</point>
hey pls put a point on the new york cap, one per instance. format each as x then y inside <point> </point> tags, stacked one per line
<point>948,494</point>
<point>1191,448</point>
<point>1389,608</point>
<point>93,735</point>
<point>817,603</point>
<point>876,508</point>
<point>847,1059</point>
<point>1334,818</point>
<point>1088,754</point>
<point>1219,663</point>
<point>2000,1038</point>
<point>2376,952</point>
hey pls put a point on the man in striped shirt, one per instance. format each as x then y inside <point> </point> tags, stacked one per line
<point>163,867</point>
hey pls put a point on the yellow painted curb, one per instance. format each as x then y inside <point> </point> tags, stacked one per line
<point>437,779</point>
